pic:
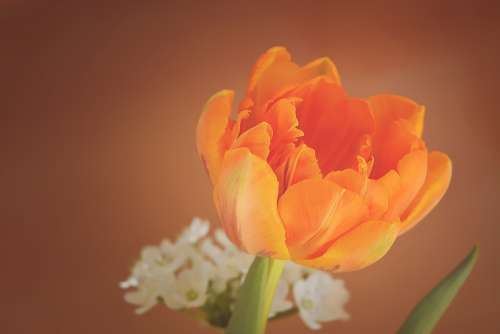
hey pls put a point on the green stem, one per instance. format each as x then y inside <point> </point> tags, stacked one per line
<point>255,297</point>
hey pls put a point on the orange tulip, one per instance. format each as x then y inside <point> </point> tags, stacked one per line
<point>307,173</point>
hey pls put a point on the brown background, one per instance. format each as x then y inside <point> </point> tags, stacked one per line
<point>99,103</point>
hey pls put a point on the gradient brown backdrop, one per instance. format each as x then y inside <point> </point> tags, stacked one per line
<point>99,104</point>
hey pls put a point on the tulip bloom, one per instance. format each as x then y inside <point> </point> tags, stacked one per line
<point>307,173</point>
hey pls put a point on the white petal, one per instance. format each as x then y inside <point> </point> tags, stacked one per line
<point>199,301</point>
<point>332,298</point>
<point>151,253</point>
<point>193,281</point>
<point>219,284</point>
<point>222,239</point>
<point>175,301</point>
<point>299,289</point>
<point>198,229</point>
<point>167,247</point>
<point>137,297</point>
<point>140,270</point>
<point>195,278</point>
<point>292,272</point>
<point>131,282</point>
<point>213,252</point>
<point>320,298</point>
<point>144,297</point>
<point>310,321</point>
<point>280,301</point>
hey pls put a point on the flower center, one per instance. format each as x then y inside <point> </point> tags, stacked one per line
<point>191,295</point>
<point>307,304</point>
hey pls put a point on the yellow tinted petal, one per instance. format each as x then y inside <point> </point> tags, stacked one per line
<point>272,56</point>
<point>412,170</point>
<point>256,139</point>
<point>319,67</point>
<point>300,164</point>
<point>307,207</point>
<point>315,212</point>
<point>275,73</point>
<point>356,249</point>
<point>374,193</point>
<point>211,130</point>
<point>245,196</point>
<point>435,186</point>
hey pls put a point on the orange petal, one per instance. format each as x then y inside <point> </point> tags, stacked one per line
<point>412,170</point>
<point>281,116</point>
<point>349,179</point>
<point>316,211</point>
<point>377,199</point>
<point>353,125</point>
<point>374,193</point>
<point>390,146</point>
<point>300,165</point>
<point>256,139</point>
<point>399,125</point>
<point>284,121</point>
<point>275,73</point>
<point>336,127</point>
<point>271,57</point>
<point>245,196</point>
<point>319,67</point>
<point>241,118</point>
<point>436,183</point>
<point>390,108</point>
<point>360,247</point>
<point>212,128</point>
<point>307,207</point>
<point>318,96</point>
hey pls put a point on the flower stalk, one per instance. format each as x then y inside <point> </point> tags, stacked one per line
<point>255,297</point>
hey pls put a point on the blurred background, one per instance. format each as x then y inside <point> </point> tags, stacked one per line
<point>99,103</point>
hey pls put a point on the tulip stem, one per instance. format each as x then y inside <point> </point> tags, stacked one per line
<point>255,297</point>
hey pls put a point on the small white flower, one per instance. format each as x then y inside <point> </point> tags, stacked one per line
<point>294,272</point>
<point>221,272</point>
<point>167,255</point>
<point>320,298</point>
<point>151,258</point>
<point>280,301</point>
<point>180,254</point>
<point>154,276</point>
<point>242,261</point>
<point>158,284</point>
<point>233,257</point>
<point>229,261</point>
<point>212,251</point>
<point>221,238</point>
<point>190,287</point>
<point>198,229</point>
<point>180,273</point>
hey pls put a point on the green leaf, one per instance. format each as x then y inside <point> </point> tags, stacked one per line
<point>427,313</point>
<point>255,297</point>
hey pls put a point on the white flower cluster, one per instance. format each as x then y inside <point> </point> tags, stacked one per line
<point>203,273</point>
